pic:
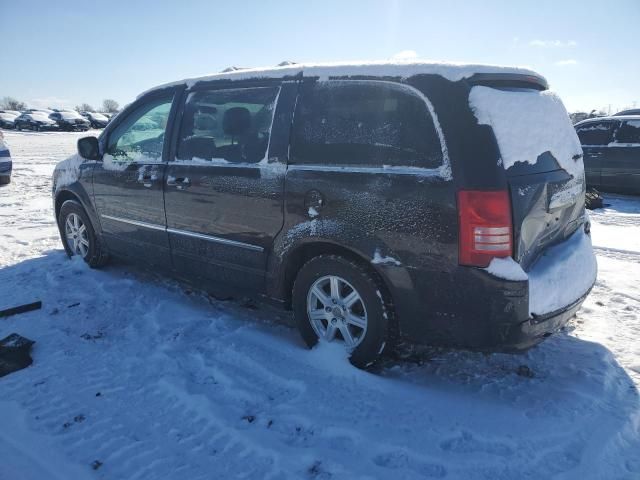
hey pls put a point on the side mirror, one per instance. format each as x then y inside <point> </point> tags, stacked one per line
<point>88,148</point>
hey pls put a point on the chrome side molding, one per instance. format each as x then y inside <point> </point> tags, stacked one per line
<point>186,233</point>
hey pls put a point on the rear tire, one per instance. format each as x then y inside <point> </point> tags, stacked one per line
<point>78,235</point>
<point>4,180</point>
<point>345,301</point>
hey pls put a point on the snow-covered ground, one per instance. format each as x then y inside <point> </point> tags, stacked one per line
<point>137,377</point>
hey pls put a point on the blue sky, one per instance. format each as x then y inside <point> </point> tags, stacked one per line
<point>62,53</point>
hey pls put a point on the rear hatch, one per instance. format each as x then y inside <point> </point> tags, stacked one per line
<point>542,158</point>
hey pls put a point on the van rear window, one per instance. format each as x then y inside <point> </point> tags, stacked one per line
<point>528,125</point>
<point>359,122</point>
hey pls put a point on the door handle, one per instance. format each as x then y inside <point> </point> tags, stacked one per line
<point>179,183</point>
<point>147,179</point>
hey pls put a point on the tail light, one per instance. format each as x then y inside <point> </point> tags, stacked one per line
<point>486,229</point>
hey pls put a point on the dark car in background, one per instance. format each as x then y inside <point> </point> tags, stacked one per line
<point>6,164</point>
<point>97,120</point>
<point>46,111</point>
<point>378,202</point>
<point>611,147</point>
<point>70,121</point>
<point>37,121</point>
<point>7,120</point>
<point>11,112</point>
<point>631,111</point>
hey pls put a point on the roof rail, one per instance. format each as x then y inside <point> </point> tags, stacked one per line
<point>233,69</point>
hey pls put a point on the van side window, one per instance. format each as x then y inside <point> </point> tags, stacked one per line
<point>629,132</point>
<point>595,133</point>
<point>357,122</point>
<point>229,125</point>
<point>140,136</point>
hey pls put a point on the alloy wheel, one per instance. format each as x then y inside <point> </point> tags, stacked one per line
<point>77,235</point>
<point>336,311</point>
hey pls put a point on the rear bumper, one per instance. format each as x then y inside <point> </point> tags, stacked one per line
<point>510,337</point>
<point>471,308</point>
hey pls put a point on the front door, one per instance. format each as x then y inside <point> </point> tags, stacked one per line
<point>127,184</point>
<point>595,138</point>
<point>621,165</point>
<point>224,189</point>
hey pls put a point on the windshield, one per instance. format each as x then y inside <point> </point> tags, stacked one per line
<point>98,116</point>
<point>40,116</point>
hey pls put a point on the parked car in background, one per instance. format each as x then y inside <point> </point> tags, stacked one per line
<point>611,147</point>
<point>97,120</point>
<point>35,121</point>
<point>109,115</point>
<point>11,112</point>
<point>377,201</point>
<point>70,121</point>
<point>38,110</point>
<point>631,111</point>
<point>5,161</point>
<point>7,120</point>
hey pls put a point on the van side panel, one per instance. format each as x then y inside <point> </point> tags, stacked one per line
<point>402,221</point>
<point>397,222</point>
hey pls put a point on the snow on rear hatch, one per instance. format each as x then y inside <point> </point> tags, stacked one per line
<point>528,123</point>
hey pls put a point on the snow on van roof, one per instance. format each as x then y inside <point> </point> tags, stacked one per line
<point>404,69</point>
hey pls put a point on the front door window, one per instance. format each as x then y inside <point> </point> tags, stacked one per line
<point>140,137</point>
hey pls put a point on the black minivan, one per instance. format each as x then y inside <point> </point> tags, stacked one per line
<point>380,202</point>
<point>612,153</point>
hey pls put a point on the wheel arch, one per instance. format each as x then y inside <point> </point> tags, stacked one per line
<point>64,194</point>
<point>61,197</point>
<point>305,251</point>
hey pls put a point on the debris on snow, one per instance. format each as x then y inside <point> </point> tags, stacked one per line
<point>525,371</point>
<point>14,354</point>
<point>27,307</point>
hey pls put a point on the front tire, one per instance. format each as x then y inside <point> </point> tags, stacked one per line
<point>78,235</point>
<point>337,299</point>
